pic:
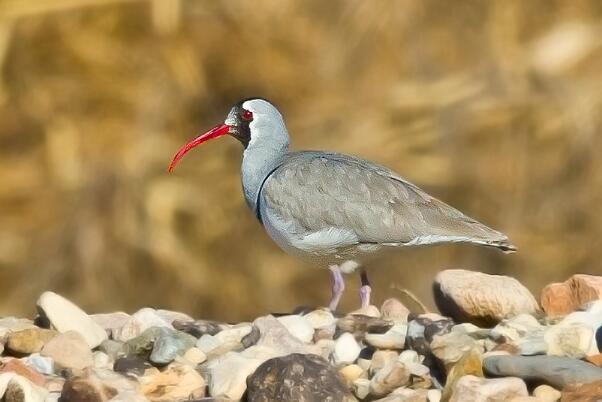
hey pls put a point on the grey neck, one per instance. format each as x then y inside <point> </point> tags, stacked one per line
<point>259,159</point>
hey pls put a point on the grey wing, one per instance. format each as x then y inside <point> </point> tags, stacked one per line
<point>343,200</point>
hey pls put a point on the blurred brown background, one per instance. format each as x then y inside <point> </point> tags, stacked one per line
<point>494,107</point>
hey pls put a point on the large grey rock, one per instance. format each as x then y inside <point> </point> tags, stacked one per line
<point>556,371</point>
<point>480,298</point>
<point>297,377</point>
<point>66,316</point>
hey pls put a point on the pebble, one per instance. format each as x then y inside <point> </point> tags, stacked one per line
<point>558,299</point>
<point>480,298</point>
<point>69,350</point>
<point>198,328</point>
<point>381,358</point>
<point>195,356</point>
<point>111,322</point>
<point>177,382</point>
<point>42,364</point>
<point>433,395</point>
<point>346,349</point>
<point>320,318</point>
<point>114,349</point>
<point>169,345</point>
<point>84,388</point>
<point>12,324</point>
<point>131,365</point>
<point>392,376</point>
<point>571,339</point>
<point>546,393</point>
<point>475,389</point>
<point>139,322</point>
<point>228,375</point>
<point>351,373</point>
<point>422,330</point>
<point>558,372</point>
<point>361,387</point>
<point>170,316</point>
<point>410,356</point>
<point>207,343</point>
<point>367,311</point>
<point>30,340</point>
<point>296,377</point>
<point>359,325</point>
<point>298,326</point>
<point>275,336</point>
<point>449,348</point>
<point>20,389</point>
<point>66,316</point>
<point>394,338</point>
<point>18,367</point>
<point>394,310</point>
<point>589,392</point>
<point>102,360</point>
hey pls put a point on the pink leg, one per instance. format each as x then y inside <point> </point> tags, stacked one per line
<point>338,286</point>
<point>365,289</point>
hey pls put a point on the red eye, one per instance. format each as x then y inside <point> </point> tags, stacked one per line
<point>246,115</point>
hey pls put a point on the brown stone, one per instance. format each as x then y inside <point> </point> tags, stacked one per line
<point>86,388</point>
<point>469,364</point>
<point>177,382</point>
<point>595,359</point>
<point>20,368</point>
<point>29,341</point>
<point>562,298</point>
<point>591,392</point>
<point>479,298</point>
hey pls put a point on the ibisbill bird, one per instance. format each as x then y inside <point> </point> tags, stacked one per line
<point>336,210</point>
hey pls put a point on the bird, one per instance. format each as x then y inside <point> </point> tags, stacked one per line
<point>335,210</point>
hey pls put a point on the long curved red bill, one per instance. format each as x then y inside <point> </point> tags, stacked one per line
<point>215,132</point>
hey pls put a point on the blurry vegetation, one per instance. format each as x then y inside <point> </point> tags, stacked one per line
<point>492,106</point>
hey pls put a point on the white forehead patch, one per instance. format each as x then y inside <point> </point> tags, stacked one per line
<point>261,106</point>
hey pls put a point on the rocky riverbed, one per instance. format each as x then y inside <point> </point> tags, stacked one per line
<point>492,342</point>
